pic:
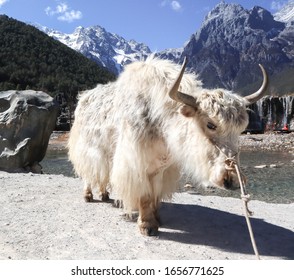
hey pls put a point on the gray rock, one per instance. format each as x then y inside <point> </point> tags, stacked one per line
<point>27,119</point>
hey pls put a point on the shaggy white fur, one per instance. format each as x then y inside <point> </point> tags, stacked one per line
<point>131,138</point>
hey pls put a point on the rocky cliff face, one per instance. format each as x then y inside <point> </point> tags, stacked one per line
<point>225,52</point>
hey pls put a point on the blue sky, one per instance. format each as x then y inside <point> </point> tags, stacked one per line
<point>160,24</point>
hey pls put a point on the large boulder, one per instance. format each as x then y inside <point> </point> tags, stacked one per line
<point>27,119</point>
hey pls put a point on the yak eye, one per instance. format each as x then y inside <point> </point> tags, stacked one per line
<point>211,126</point>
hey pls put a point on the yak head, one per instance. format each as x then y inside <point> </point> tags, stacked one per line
<point>215,118</point>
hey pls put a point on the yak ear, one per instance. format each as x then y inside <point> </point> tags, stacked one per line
<point>188,111</point>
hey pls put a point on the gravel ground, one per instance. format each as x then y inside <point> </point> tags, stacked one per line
<point>45,217</point>
<point>269,142</point>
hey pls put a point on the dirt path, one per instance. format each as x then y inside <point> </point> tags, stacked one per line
<point>45,217</point>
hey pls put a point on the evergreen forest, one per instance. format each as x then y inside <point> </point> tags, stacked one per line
<point>30,59</point>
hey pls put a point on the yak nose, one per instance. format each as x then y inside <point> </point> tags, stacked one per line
<point>230,184</point>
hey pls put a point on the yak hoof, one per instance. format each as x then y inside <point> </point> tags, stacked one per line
<point>88,197</point>
<point>148,229</point>
<point>117,203</point>
<point>105,196</point>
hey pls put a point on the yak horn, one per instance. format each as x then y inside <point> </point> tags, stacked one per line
<point>252,98</point>
<point>179,96</point>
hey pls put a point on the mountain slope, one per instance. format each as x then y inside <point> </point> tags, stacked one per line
<point>286,14</point>
<point>107,49</point>
<point>226,50</point>
<point>29,59</point>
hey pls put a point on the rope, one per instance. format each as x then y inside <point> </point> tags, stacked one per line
<point>231,164</point>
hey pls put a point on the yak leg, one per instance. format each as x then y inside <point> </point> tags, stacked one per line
<point>149,219</point>
<point>103,192</point>
<point>88,195</point>
<point>148,216</point>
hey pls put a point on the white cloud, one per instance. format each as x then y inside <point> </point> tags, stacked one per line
<point>60,9</point>
<point>175,5</point>
<point>71,16</point>
<point>64,13</point>
<point>2,2</point>
<point>278,4</point>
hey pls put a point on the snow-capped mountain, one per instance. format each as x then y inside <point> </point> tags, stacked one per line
<point>107,49</point>
<point>286,14</point>
<point>224,52</point>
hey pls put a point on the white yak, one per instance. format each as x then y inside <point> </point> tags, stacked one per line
<point>137,135</point>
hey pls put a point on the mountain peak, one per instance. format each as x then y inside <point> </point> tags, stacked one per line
<point>233,18</point>
<point>105,48</point>
<point>232,41</point>
<point>260,18</point>
<point>79,28</point>
<point>223,10</point>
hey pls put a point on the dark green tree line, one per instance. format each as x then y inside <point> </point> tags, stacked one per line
<point>30,59</point>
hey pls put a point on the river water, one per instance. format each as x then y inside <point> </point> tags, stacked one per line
<point>273,183</point>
